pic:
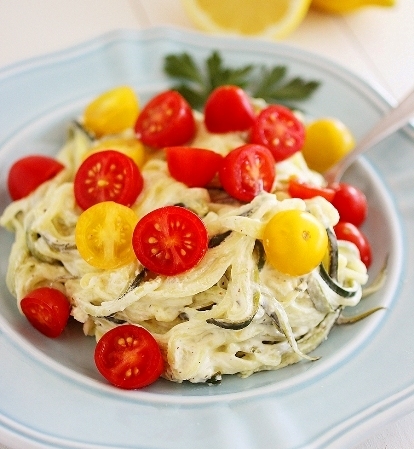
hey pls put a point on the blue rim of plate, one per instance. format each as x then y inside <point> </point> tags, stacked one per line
<point>188,39</point>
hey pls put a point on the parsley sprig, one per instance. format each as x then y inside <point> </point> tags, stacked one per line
<point>271,84</point>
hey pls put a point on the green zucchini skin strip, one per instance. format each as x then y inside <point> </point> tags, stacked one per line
<point>237,325</point>
<point>216,240</point>
<point>114,320</point>
<point>318,296</point>
<point>261,255</point>
<point>311,340</point>
<point>354,319</point>
<point>334,286</point>
<point>77,125</point>
<point>277,313</point>
<point>139,278</point>
<point>135,283</point>
<point>333,253</point>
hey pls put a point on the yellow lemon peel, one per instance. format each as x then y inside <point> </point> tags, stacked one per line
<point>347,6</point>
<point>255,18</point>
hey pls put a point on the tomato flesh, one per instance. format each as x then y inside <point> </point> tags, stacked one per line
<point>129,146</point>
<point>195,167</point>
<point>166,120</point>
<point>103,235</point>
<point>170,240</point>
<point>246,171</point>
<point>295,242</point>
<point>227,109</point>
<point>47,310</point>
<point>107,176</point>
<point>111,112</point>
<point>277,128</point>
<point>349,232</point>
<point>297,189</point>
<point>327,141</point>
<point>29,172</point>
<point>351,203</point>
<point>129,357</point>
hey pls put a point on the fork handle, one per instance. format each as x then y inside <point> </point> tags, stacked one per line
<point>392,121</point>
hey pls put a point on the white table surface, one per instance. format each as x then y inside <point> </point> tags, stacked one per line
<point>375,43</point>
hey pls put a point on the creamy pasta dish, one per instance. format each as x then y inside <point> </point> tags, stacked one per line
<point>235,309</point>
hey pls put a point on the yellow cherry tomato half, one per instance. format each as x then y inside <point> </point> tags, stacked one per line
<point>327,141</point>
<point>112,112</point>
<point>129,146</point>
<point>295,242</point>
<point>104,234</point>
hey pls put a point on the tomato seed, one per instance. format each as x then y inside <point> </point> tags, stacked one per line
<point>290,142</point>
<point>102,183</point>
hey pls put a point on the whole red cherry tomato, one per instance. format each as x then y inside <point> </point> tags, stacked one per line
<point>228,108</point>
<point>246,171</point>
<point>107,176</point>
<point>348,231</point>
<point>170,240</point>
<point>129,357</point>
<point>297,189</point>
<point>166,120</point>
<point>195,167</point>
<point>29,172</point>
<point>277,128</point>
<point>351,203</point>
<point>47,310</point>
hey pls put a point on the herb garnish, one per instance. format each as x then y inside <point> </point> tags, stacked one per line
<point>270,84</point>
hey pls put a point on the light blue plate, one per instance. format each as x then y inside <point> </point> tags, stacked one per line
<point>51,395</point>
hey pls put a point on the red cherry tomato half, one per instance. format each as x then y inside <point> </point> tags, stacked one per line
<point>297,189</point>
<point>129,357</point>
<point>107,176</point>
<point>277,128</point>
<point>170,240</point>
<point>28,173</point>
<point>195,167</point>
<point>246,171</point>
<point>349,232</point>
<point>351,203</point>
<point>166,120</point>
<point>47,310</point>
<point>228,108</point>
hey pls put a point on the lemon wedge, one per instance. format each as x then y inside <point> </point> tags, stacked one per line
<point>346,6</point>
<point>274,19</point>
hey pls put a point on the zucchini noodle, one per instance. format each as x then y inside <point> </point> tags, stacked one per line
<point>230,314</point>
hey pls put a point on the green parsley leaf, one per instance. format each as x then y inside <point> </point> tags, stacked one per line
<point>196,83</point>
<point>219,75</point>
<point>195,99</point>
<point>268,80</point>
<point>183,66</point>
<point>295,89</point>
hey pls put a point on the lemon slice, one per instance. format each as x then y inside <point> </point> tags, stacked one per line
<point>346,6</point>
<point>273,19</point>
